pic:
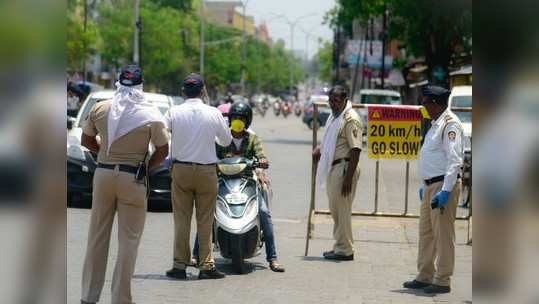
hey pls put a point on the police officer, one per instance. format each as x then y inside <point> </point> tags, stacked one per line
<point>338,170</point>
<point>126,125</point>
<point>194,126</point>
<point>439,168</point>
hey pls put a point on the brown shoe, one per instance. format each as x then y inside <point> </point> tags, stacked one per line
<point>276,267</point>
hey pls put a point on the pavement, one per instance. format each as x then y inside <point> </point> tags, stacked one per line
<point>386,248</point>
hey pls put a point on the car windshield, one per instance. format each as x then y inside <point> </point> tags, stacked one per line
<point>462,101</point>
<point>380,99</point>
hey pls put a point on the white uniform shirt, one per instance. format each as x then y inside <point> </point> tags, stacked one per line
<point>442,154</point>
<point>195,127</point>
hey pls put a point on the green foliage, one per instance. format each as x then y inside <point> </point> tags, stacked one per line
<point>169,47</point>
<point>325,59</point>
<point>80,44</point>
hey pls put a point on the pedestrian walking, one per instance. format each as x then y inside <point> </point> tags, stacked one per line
<point>338,170</point>
<point>440,164</point>
<point>126,125</point>
<point>195,126</point>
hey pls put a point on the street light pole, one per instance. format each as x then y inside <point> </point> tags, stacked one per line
<point>243,50</point>
<point>201,64</point>
<point>136,46</point>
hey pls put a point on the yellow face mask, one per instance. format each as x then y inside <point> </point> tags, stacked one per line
<point>237,125</point>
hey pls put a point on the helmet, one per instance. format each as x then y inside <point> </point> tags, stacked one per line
<point>131,75</point>
<point>241,109</point>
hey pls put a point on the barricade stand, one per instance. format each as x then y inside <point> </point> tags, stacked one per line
<point>313,211</point>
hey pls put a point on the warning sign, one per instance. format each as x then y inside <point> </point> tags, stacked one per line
<point>394,131</point>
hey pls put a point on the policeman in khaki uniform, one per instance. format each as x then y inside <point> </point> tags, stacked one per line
<point>126,125</point>
<point>440,163</point>
<point>338,170</point>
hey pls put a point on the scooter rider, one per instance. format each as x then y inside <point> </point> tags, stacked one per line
<point>245,143</point>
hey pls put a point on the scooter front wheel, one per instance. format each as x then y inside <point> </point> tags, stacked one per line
<point>238,263</point>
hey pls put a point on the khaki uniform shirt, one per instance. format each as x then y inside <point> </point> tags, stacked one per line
<point>350,135</point>
<point>129,149</point>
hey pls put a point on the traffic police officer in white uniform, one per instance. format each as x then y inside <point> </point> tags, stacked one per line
<point>440,164</point>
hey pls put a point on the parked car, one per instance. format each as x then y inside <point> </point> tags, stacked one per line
<point>81,163</point>
<point>377,97</point>
<point>461,96</point>
<point>323,112</point>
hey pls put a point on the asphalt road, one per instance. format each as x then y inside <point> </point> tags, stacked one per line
<point>386,248</point>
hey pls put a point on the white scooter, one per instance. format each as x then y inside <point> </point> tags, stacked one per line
<point>237,224</point>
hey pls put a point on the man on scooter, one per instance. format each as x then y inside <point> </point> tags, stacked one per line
<point>245,143</point>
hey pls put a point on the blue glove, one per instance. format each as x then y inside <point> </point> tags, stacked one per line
<point>440,199</point>
<point>421,194</point>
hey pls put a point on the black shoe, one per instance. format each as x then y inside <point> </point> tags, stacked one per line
<point>176,273</point>
<point>415,284</point>
<point>432,289</point>
<point>328,253</point>
<point>339,257</point>
<point>210,274</point>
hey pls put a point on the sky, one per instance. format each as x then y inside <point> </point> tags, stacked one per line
<point>314,10</point>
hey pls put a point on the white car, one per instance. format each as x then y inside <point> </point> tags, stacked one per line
<point>461,97</point>
<point>81,163</point>
<point>373,96</point>
<point>74,133</point>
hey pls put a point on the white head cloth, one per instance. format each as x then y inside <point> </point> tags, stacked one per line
<point>130,110</point>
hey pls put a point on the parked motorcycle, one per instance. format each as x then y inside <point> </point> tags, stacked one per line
<point>237,224</point>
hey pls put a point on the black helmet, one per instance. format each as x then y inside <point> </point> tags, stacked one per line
<point>241,109</point>
<point>131,75</point>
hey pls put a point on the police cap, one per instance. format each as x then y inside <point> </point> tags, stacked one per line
<point>131,75</point>
<point>435,92</point>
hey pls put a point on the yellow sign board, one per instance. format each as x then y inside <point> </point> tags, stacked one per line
<point>394,132</point>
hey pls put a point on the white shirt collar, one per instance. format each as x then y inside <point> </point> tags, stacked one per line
<point>439,120</point>
<point>194,100</point>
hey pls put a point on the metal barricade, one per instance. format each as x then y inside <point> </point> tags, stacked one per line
<point>313,211</point>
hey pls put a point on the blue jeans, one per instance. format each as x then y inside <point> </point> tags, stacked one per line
<point>266,224</point>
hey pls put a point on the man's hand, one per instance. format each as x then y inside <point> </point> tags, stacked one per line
<point>346,186</point>
<point>263,163</point>
<point>316,154</point>
<point>440,199</point>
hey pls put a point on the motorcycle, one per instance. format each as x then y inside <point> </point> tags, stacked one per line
<point>237,232</point>
<point>276,107</point>
<point>287,108</point>
<point>297,109</point>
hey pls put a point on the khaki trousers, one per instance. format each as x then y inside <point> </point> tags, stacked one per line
<point>113,191</point>
<point>341,208</point>
<point>193,185</point>
<point>437,237</point>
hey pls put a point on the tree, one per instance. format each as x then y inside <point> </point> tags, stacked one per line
<point>428,28</point>
<point>325,61</point>
<point>80,44</point>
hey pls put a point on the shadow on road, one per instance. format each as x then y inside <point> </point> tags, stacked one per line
<point>417,292</point>
<point>319,259</point>
<point>226,267</point>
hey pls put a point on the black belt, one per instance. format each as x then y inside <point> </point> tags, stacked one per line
<point>191,163</point>
<point>340,160</point>
<point>123,168</point>
<point>436,179</point>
